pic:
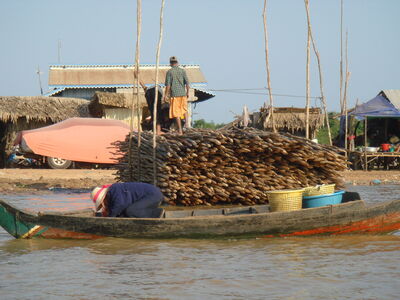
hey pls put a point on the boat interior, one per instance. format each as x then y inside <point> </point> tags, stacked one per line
<point>182,213</point>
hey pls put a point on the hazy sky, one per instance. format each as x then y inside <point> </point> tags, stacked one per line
<point>224,37</point>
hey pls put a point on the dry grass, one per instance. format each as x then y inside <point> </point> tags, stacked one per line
<point>42,109</point>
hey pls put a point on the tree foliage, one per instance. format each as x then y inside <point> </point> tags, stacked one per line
<point>201,123</point>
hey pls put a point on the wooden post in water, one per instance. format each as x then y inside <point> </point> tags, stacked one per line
<point>271,100</point>
<point>308,77</point>
<point>156,94</point>
<point>321,81</point>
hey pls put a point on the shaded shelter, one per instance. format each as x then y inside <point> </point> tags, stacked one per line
<point>380,115</point>
<point>381,120</point>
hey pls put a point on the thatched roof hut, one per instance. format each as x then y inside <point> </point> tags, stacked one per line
<point>104,100</point>
<point>118,106</point>
<point>290,119</point>
<point>39,108</point>
<point>22,113</point>
<point>286,119</point>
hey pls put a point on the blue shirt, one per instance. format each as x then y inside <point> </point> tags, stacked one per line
<point>122,195</point>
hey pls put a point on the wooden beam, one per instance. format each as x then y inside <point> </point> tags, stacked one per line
<point>365,144</point>
<point>271,100</point>
<point>156,92</point>
<point>321,81</point>
<point>308,76</point>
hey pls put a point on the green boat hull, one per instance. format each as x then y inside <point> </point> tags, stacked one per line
<point>11,223</point>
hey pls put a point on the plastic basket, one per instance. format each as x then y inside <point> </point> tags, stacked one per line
<point>319,190</point>
<point>285,200</point>
<point>323,200</point>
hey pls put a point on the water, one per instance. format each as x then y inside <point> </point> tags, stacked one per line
<point>346,267</point>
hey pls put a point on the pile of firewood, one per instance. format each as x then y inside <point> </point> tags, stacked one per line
<point>206,167</point>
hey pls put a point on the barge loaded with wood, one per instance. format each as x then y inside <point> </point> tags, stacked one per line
<point>232,183</point>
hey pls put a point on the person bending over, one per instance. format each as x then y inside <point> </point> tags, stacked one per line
<point>128,199</point>
<point>162,116</point>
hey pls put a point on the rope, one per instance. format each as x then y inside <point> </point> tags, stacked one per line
<point>244,91</point>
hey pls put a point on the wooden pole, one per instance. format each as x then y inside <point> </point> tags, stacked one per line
<point>40,80</point>
<point>137,55</point>
<point>156,93</point>
<point>341,58</point>
<point>345,97</point>
<point>386,129</point>
<point>271,100</point>
<point>321,80</point>
<point>365,144</point>
<point>308,77</point>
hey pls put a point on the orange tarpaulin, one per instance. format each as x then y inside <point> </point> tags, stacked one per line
<point>78,139</point>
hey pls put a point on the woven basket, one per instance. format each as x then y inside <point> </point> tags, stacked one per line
<point>285,200</point>
<point>319,190</point>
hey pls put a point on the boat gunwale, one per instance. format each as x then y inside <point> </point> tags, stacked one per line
<point>360,203</point>
<point>75,214</point>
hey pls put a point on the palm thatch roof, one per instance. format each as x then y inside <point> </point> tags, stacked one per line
<point>103,100</point>
<point>288,119</point>
<point>41,108</point>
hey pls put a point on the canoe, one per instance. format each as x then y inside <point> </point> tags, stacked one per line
<point>353,217</point>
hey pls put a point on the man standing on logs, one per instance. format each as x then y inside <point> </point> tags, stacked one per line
<point>175,83</point>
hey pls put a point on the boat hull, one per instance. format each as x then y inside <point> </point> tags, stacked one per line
<point>348,218</point>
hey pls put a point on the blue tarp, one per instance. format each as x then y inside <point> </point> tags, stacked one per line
<point>376,107</point>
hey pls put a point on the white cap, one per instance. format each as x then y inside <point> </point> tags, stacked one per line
<point>98,195</point>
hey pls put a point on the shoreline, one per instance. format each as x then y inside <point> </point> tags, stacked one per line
<point>44,180</point>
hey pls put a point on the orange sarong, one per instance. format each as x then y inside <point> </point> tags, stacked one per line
<point>178,107</point>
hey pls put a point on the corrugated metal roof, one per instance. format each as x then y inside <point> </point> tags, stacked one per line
<point>54,92</point>
<point>200,92</point>
<point>83,66</point>
<point>393,96</point>
<point>84,75</point>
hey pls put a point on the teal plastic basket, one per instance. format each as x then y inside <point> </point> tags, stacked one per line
<point>323,200</point>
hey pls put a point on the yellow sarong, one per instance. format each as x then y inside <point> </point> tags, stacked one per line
<point>177,107</point>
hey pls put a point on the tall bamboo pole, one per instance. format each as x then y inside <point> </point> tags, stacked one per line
<point>321,80</point>
<point>271,100</point>
<point>341,58</point>
<point>345,95</point>
<point>156,93</point>
<point>136,85</point>
<point>308,77</point>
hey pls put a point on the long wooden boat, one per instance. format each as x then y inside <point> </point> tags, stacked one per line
<point>354,217</point>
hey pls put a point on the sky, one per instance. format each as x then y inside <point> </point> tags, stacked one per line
<point>225,37</point>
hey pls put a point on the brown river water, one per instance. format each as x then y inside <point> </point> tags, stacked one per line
<point>345,267</point>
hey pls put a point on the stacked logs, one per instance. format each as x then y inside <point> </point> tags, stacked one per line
<point>206,167</point>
